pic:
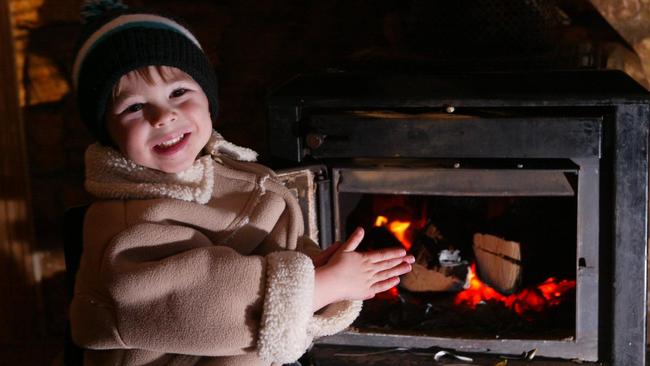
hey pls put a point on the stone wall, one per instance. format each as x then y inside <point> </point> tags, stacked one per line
<point>631,18</point>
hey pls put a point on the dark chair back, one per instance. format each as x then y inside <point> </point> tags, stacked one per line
<point>72,247</point>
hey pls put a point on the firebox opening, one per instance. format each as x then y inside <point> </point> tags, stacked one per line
<point>486,267</point>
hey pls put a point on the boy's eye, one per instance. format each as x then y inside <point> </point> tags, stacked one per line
<point>134,108</point>
<point>178,92</point>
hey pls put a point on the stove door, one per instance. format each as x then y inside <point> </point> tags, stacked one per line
<point>311,186</point>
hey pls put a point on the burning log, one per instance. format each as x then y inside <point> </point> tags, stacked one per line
<point>435,279</point>
<point>498,262</point>
<point>435,269</point>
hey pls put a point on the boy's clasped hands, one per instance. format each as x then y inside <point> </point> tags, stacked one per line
<point>345,274</point>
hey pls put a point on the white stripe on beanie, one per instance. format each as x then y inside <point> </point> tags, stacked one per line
<point>124,21</point>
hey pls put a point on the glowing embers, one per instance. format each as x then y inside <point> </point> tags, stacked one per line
<point>537,299</point>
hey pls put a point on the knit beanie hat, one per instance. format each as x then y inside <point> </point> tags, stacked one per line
<point>116,40</point>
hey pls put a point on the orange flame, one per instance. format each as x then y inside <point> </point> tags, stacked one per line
<point>381,221</point>
<point>549,293</point>
<point>397,227</point>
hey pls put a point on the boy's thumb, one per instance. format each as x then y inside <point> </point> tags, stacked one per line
<point>327,254</point>
<point>353,241</point>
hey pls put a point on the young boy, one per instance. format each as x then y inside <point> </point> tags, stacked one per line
<point>193,255</point>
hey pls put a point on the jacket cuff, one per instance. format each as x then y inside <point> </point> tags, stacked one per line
<point>288,302</point>
<point>334,318</point>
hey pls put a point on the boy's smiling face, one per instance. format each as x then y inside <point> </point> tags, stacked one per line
<point>159,118</point>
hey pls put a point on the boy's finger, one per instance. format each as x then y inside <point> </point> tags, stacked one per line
<point>386,254</point>
<point>353,241</point>
<point>393,271</point>
<point>331,249</point>
<point>384,285</point>
<point>325,256</point>
<point>388,264</point>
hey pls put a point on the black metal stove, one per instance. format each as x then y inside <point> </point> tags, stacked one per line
<point>576,134</point>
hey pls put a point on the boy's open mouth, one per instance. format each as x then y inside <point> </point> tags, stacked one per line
<point>172,145</point>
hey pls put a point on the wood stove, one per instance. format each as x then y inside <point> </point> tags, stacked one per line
<point>557,161</point>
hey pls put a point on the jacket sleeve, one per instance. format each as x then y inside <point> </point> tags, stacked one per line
<point>176,292</point>
<point>288,328</point>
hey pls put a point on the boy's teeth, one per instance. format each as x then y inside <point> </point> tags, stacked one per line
<point>172,141</point>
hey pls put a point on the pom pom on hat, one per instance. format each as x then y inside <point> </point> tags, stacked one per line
<point>92,9</point>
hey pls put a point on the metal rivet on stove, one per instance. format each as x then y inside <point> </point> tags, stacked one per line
<point>314,140</point>
<point>456,165</point>
<point>450,109</point>
<point>520,166</point>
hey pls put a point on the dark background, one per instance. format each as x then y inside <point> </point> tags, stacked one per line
<point>255,46</point>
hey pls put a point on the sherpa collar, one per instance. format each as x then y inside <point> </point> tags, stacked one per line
<point>109,174</point>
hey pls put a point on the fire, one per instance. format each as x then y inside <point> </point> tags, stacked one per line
<point>381,221</point>
<point>529,300</point>
<point>390,294</point>
<point>397,227</point>
<point>549,293</point>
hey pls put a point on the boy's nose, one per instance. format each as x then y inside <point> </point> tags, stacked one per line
<point>162,116</point>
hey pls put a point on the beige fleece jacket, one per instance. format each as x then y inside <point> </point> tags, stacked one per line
<point>203,267</point>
